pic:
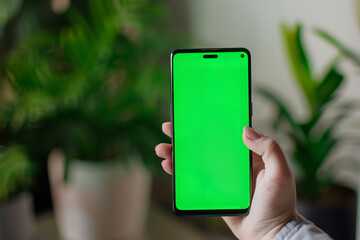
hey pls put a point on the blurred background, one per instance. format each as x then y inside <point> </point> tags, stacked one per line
<point>85,86</point>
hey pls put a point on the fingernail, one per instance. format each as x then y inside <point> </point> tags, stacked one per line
<point>251,133</point>
<point>156,147</point>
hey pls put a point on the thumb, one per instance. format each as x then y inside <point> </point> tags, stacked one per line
<point>269,150</point>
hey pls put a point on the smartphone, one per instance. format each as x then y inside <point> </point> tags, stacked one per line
<point>210,105</point>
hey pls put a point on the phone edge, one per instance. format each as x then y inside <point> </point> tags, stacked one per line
<point>208,213</point>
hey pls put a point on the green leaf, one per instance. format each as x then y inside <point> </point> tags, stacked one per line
<point>15,171</point>
<point>323,146</point>
<point>328,86</point>
<point>326,142</point>
<point>337,44</point>
<point>303,155</point>
<point>300,63</point>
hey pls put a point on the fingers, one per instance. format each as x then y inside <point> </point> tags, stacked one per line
<point>271,153</point>
<point>163,150</point>
<point>166,128</point>
<point>166,164</point>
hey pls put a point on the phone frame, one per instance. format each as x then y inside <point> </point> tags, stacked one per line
<point>216,212</point>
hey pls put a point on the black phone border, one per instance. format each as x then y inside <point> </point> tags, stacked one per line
<point>214,212</point>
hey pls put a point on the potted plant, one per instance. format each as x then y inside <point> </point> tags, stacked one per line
<point>16,168</point>
<point>315,139</point>
<point>89,82</point>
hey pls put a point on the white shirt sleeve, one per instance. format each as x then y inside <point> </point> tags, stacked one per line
<point>301,228</point>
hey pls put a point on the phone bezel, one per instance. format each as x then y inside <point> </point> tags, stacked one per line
<point>216,212</point>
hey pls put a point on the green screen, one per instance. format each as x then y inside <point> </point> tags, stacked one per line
<point>210,109</point>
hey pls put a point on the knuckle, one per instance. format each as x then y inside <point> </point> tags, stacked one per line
<point>271,148</point>
<point>271,144</point>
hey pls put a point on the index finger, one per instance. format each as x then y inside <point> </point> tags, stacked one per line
<point>166,128</point>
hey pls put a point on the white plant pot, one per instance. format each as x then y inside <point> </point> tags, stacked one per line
<point>17,218</point>
<point>100,200</point>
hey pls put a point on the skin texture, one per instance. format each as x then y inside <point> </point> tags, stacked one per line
<point>274,193</point>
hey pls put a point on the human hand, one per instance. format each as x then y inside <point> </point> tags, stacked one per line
<point>274,193</point>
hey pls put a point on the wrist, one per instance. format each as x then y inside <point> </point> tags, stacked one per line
<point>271,233</point>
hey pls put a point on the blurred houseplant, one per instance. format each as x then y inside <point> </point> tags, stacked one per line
<point>86,77</point>
<point>16,167</point>
<point>315,138</point>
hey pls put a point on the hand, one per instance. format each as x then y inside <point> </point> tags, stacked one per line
<point>274,193</point>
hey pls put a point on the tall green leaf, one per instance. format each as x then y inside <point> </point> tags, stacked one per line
<point>337,44</point>
<point>312,139</point>
<point>300,63</point>
<point>328,86</point>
